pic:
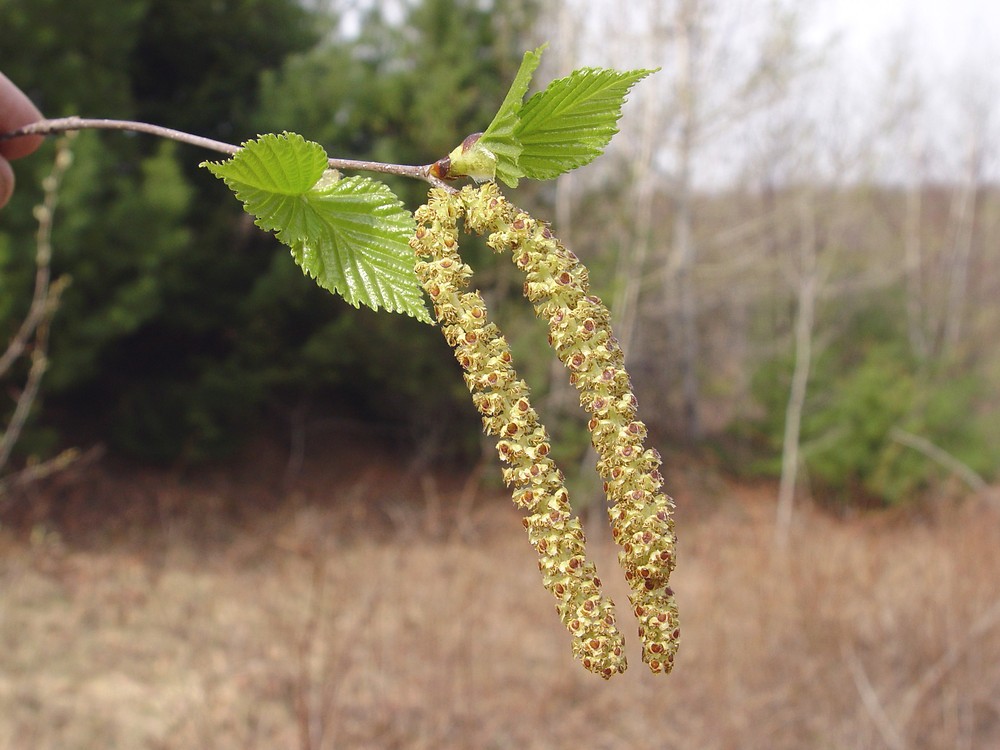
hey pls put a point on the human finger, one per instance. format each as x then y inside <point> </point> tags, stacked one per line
<point>16,110</point>
<point>6,182</point>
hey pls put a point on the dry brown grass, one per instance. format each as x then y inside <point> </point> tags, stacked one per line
<point>394,626</point>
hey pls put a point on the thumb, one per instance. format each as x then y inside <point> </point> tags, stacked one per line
<point>6,182</point>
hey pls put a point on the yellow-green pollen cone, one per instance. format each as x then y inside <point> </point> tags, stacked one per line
<point>557,285</point>
<point>502,400</point>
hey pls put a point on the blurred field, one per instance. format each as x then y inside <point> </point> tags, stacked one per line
<point>361,607</point>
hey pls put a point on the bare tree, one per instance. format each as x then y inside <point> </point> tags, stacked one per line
<point>808,284</point>
<point>645,184</point>
<point>720,64</point>
<point>904,103</point>
<point>688,45</point>
<point>913,255</point>
<point>959,253</point>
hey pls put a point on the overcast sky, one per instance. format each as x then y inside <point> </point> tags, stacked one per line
<point>946,35</point>
<point>952,45</point>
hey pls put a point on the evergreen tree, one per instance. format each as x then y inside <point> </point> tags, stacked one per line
<point>184,323</point>
<point>404,93</point>
<point>142,234</point>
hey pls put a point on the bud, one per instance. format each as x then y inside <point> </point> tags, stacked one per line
<point>468,159</point>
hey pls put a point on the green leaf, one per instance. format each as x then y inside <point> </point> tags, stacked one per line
<point>359,246</point>
<point>500,138</point>
<point>350,234</point>
<point>571,122</point>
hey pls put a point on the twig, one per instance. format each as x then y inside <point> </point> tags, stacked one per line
<point>870,700</point>
<point>40,303</point>
<point>43,306</point>
<point>68,124</point>
<point>35,472</point>
<point>939,455</point>
<point>39,364</point>
<point>892,730</point>
<point>309,722</point>
<point>919,689</point>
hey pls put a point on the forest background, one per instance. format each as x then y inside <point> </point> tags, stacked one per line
<point>784,266</point>
<point>284,528</point>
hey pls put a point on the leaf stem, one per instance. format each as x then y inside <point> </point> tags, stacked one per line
<point>67,124</point>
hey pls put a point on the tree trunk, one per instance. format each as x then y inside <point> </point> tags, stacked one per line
<point>684,245</point>
<point>808,288</point>
<point>964,217</point>
<point>913,263</point>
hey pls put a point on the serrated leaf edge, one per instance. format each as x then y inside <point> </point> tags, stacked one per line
<point>500,136</point>
<point>375,238</point>
<point>560,87</point>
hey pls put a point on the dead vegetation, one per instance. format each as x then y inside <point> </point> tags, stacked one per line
<point>355,610</point>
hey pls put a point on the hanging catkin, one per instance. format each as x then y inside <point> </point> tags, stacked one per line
<point>556,283</point>
<point>502,399</point>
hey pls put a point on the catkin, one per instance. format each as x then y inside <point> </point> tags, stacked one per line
<point>557,285</point>
<point>502,400</point>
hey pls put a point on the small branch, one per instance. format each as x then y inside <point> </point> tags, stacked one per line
<point>35,472</point>
<point>937,454</point>
<point>40,302</point>
<point>37,311</point>
<point>870,700</point>
<point>68,124</point>
<point>920,688</point>
<point>39,364</point>
<point>43,306</point>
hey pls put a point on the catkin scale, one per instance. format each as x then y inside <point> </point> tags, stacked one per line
<point>557,284</point>
<point>502,400</point>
